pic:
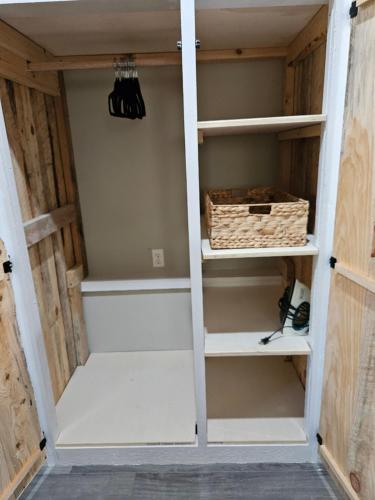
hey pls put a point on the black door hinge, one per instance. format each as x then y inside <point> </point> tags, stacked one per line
<point>353,11</point>
<point>196,429</point>
<point>332,262</point>
<point>7,266</point>
<point>43,443</point>
<point>319,439</point>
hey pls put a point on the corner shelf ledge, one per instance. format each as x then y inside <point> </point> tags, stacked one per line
<point>255,430</point>
<point>240,253</point>
<point>247,344</point>
<point>92,285</point>
<point>257,125</point>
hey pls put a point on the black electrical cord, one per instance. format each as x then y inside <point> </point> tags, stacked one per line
<point>298,315</point>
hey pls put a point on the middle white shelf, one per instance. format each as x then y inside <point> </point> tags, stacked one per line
<point>237,317</point>
<point>240,253</point>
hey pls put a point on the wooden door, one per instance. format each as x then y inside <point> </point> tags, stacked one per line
<point>20,434</point>
<point>348,408</point>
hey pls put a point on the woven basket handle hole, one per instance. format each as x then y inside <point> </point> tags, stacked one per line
<point>260,209</point>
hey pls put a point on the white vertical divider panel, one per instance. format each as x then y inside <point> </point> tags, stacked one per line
<point>27,311</point>
<point>192,181</point>
<point>329,163</point>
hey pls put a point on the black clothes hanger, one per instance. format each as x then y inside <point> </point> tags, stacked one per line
<point>126,100</point>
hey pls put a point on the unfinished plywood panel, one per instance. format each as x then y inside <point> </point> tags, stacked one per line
<point>241,308</point>
<point>348,412</point>
<point>253,387</point>
<point>20,434</point>
<point>42,163</point>
<point>150,401</point>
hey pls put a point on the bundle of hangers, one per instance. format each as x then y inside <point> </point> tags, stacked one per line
<point>125,100</point>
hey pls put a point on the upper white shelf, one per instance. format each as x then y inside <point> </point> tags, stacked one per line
<point>241,253</point>
<point>257,125</point>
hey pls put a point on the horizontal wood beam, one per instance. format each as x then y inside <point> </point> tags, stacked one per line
<point>42,226</point>
<point>300,133</point>
<point>360,279</point>
<point>310,38</point>
<point>101,61</point>
<point>15,52</point>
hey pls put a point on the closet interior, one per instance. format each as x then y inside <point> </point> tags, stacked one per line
<point>260,78</point>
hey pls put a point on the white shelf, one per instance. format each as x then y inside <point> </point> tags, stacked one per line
<point>241,253</point>
<point>237,317</point>
<point>255,430</point>
<point>247,344</point>
<point>257,125</point>
<point>129,398</point>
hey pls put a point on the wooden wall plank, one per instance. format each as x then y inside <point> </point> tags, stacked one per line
<point>74,277</point>
<point>44,181</point>
<point>20,433</point>
<point>67,158</point>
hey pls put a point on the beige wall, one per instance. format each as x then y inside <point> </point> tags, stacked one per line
<point>131,174</point>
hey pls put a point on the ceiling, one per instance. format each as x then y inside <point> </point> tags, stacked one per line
<point>124,26</point>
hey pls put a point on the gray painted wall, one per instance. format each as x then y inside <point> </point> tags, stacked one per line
<point>131,174</point>
<point>138,321</point>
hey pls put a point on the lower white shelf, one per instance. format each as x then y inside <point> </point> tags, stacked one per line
<point>254,400</point>
<point>129,398</point>
<point>255,430</point>
<point>247,344</point>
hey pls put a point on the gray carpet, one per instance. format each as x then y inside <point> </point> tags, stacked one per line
<point>204,482</point>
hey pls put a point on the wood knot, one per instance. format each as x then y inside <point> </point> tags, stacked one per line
<point>18,445</point>
<point>7,376</point>
<point>32,130</point>
<point>355,482</point>
<point>57,311</point>
<point>239,51</point>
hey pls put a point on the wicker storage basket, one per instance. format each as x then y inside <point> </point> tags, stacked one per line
<point>257,217</point>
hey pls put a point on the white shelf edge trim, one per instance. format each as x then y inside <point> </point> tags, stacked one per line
<point>116,285</point>
<point>239,253</point>
<point>242,281</point>
<point>255,125</point>
<point>247,344</point>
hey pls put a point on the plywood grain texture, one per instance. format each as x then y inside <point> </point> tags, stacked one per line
<point>42,161</point>
<point>20,433</point>
<point>348,412</point>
